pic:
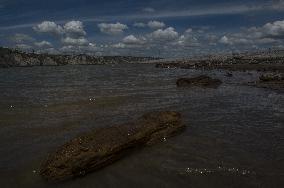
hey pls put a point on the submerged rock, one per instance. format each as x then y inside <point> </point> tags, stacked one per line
<point>229,74</point>
<point>271,77</point>
<point>103,146</point>
<point>270,81</point>
<point>200,81</point>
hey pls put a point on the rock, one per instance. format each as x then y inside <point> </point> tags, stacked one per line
<point>229,74</point>
<point>270,81</point>
<point>200,81</point>
<point>103,146</point>
<point>271,77</point>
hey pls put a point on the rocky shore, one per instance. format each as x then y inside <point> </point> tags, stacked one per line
<point>14,58</point>
<point>270,81</point>
<point>265,61</point>
<point>104,146</point>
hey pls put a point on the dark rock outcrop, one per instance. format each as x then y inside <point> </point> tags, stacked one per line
<point>229,74</point>
<point>270,81</point>
<point>271,77</point>
<point>103,146</point>
<point>200,81</point>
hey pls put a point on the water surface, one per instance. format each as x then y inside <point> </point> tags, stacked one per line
<point>234,135</point>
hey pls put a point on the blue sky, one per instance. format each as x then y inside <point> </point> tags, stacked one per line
<point>150,27</point>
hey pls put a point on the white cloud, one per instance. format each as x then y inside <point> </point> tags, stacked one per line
<point>191,38</point>
<point>139,24</point>
<point>275,29</point>
<point>224,40</point>
<point>168,34</point>
<point>90,49</point>
<point>189,30</point>
<point>132,40</point>
<point>119,45</point>
<point>43,44</point>
<point>266,41</point>
<point>188,41</point>
<point>74,28</point>
<point>75,41</point>
<point>68,49</point>
<point>156,24</point>
<point>269,30</point>
<point>268,34</point>
<point>49,27</point>
<point>112,29</point>
<point>233,40</point>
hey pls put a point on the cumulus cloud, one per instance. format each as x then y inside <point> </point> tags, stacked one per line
<point>75,41</point>
<point>119,45</point>
<point>74,28</point>
<point>273,30</point>
<point>168,34</point>
<point>224,40</point>
<point>266,41</point>
<point>268,34</point>
<point>190,38</point>
<point>139,24</point>
<point>189,30</point>
<point>43,44</point>
<point>49,27</point>
<point>112,29</point>
<point>21,38</point>
<point>233,40</point>
<point>90,49</point>
<point>132,40</point>
<point>188,41</point>
<point>156,24</point>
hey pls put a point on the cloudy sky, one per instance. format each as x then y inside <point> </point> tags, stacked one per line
<point>164,28</point>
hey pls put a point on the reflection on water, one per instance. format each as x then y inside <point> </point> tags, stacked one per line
<point>234,135</point>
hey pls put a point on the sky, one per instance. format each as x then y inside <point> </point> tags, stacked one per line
<point>164,28</point>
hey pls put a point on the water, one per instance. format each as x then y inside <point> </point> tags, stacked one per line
<point>234,135</point>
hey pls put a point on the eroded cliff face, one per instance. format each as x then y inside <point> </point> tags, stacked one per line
<point>13,58</point>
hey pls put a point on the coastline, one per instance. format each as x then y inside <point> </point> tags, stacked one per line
<point>13,58</point>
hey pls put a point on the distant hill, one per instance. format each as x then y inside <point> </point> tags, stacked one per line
<point>14,58</point>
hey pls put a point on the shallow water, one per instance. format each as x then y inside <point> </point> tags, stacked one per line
<point>234,135</point>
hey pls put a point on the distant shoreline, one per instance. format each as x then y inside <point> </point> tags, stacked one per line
<point>267,61</point>
<point>14,58</point>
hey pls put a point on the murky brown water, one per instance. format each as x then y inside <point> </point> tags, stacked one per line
<point>234,135</point>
